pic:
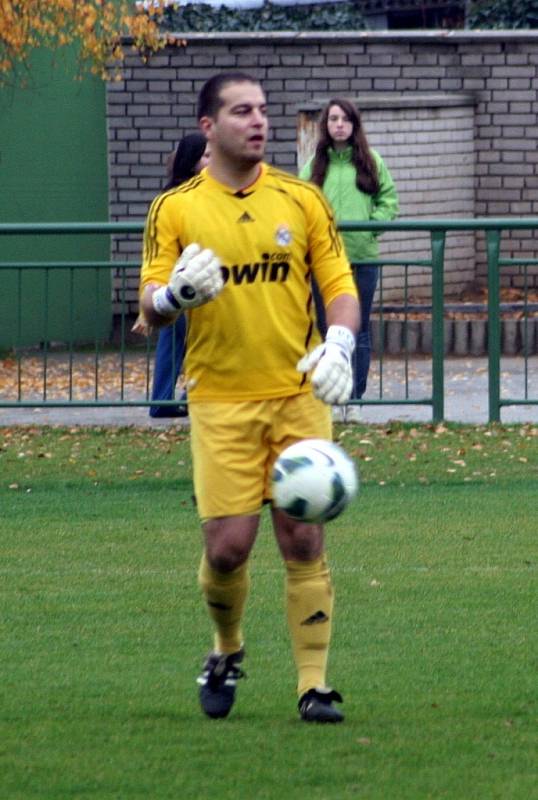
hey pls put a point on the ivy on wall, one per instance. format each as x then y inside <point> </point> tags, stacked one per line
<point>341,16</point>
<point>309,17</point>
<point>503,14</point>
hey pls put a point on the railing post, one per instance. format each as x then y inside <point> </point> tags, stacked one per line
<point>493,240</point>
<point>438,324</point>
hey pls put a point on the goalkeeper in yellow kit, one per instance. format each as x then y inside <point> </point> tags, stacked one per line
<point>235,249</point>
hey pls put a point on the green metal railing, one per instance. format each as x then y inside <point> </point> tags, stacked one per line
<point>437,229</point>
<point>493,229</point>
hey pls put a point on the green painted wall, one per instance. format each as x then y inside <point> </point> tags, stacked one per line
<point>53,168</point>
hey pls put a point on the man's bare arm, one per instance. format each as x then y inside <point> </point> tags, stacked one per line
<point>153,319</point>
<point>344,310</point>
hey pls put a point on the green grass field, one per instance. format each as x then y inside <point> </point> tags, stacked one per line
<point>103,630</point>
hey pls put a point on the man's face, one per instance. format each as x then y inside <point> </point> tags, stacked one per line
<point>238,132</point>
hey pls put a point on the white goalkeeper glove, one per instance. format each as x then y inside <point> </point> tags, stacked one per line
<point>196,279</point>
<point>332,378</point>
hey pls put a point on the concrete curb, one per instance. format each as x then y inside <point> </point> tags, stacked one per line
<point>463,337</point>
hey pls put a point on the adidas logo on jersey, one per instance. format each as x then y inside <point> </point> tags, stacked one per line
<point>245,217</point>
<point>316,618</point>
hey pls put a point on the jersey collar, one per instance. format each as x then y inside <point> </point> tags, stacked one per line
<point>243,192</point>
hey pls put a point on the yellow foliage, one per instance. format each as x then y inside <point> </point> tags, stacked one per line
<point>99,28</point>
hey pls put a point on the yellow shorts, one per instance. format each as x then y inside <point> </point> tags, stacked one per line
<point>234,446</point>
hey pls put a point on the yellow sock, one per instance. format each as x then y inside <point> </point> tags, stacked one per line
<point>310,606</point>
<point>226,595</point>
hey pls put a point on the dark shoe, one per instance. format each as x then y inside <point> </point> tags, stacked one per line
<point>316,705</point>
<point>217,683</point>
<point>168,411</point>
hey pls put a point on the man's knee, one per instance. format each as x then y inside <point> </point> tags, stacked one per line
<point>225,559</point>
<point>298,541</point>
<point>228,543</point>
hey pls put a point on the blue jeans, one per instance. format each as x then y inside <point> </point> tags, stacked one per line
<point>168,363</point>
<point>366,278</point>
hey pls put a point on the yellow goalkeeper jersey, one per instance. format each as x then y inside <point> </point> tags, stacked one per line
<point>270,237</point>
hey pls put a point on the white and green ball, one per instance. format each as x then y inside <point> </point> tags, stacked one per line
<point>314,480</point>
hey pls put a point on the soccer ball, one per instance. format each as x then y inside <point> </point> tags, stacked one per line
<point>314,480</point>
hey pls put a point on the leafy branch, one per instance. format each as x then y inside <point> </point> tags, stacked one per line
<point>96,28</point>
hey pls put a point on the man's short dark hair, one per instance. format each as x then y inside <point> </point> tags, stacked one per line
<point>209,99</point>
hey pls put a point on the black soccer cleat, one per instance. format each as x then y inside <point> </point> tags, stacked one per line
<point>217,683</point>
<point>316,705</point>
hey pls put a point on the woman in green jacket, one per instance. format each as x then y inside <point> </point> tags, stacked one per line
<point>359,187</point>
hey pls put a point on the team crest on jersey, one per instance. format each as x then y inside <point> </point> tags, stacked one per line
<point>283,235</point>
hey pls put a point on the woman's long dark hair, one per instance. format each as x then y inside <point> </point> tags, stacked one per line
<point>188,153</point>
<point>361,155</point>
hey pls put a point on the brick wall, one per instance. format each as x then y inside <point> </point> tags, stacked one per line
<point>427,141</point>
<point>453,114</point>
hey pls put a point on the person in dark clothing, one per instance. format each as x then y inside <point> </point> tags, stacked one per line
<point>190,156</point>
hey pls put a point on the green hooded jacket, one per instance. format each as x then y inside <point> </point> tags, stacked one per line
<point>349,203</point>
